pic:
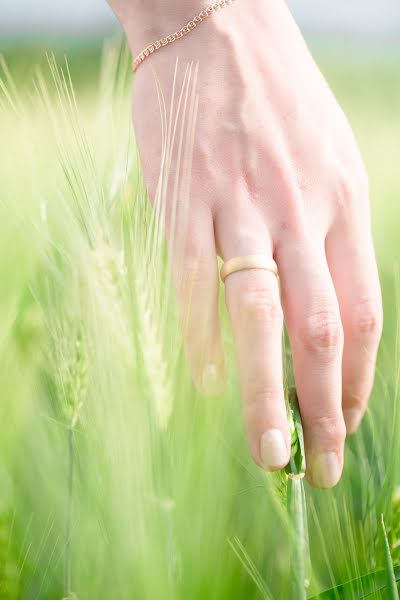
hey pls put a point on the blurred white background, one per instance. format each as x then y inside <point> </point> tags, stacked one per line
<point>354,18</point>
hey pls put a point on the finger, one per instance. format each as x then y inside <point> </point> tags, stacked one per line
<point>316,335</point>
<point>255,311</point>
<point>355,275</point>
<point>195,271</point>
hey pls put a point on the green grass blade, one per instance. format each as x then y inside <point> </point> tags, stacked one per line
<point>250,567</point>
<point>393,592</point>
<point>369,584</point>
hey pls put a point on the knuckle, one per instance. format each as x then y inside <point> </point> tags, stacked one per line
<point>322,331</point>
<point>294,226</point>
<point>293,222</point>
<point>367,319</point>
<point>327,430</point>
<point>356,396</point>
<point>262,305</point>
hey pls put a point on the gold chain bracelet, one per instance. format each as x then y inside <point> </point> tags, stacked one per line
<point>180,33</point>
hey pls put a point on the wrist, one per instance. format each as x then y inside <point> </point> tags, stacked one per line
<point>146,24</point>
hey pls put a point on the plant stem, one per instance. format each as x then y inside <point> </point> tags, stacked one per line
<point>67,555</point>
<point>297,511</point>
<point>296,502</point>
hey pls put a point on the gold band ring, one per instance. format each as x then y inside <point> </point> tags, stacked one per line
<point>251,261</point>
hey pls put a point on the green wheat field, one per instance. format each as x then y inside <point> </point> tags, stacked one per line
<point>118,480</point>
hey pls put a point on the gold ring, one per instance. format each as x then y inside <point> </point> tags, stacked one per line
<point>251,261</point>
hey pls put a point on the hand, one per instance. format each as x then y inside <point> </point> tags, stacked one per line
<point>275,171</point>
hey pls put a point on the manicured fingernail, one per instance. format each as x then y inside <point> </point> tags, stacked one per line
<point>325,470</point>
<point>212,382</point>
<point>273,449</point>
<point>352,418</point>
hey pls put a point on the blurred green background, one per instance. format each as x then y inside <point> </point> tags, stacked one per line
<point>117,479</point>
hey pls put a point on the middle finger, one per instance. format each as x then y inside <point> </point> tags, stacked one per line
<point>316,335</point>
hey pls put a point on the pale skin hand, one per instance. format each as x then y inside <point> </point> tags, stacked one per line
<point>276,171</point>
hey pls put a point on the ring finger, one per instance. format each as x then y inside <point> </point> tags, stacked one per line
<point>255,312</point>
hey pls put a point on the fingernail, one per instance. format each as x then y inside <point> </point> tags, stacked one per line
<point>325,470</point>
<point>273,449</point>
<point>211,380</point>
<point>352,418</point>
